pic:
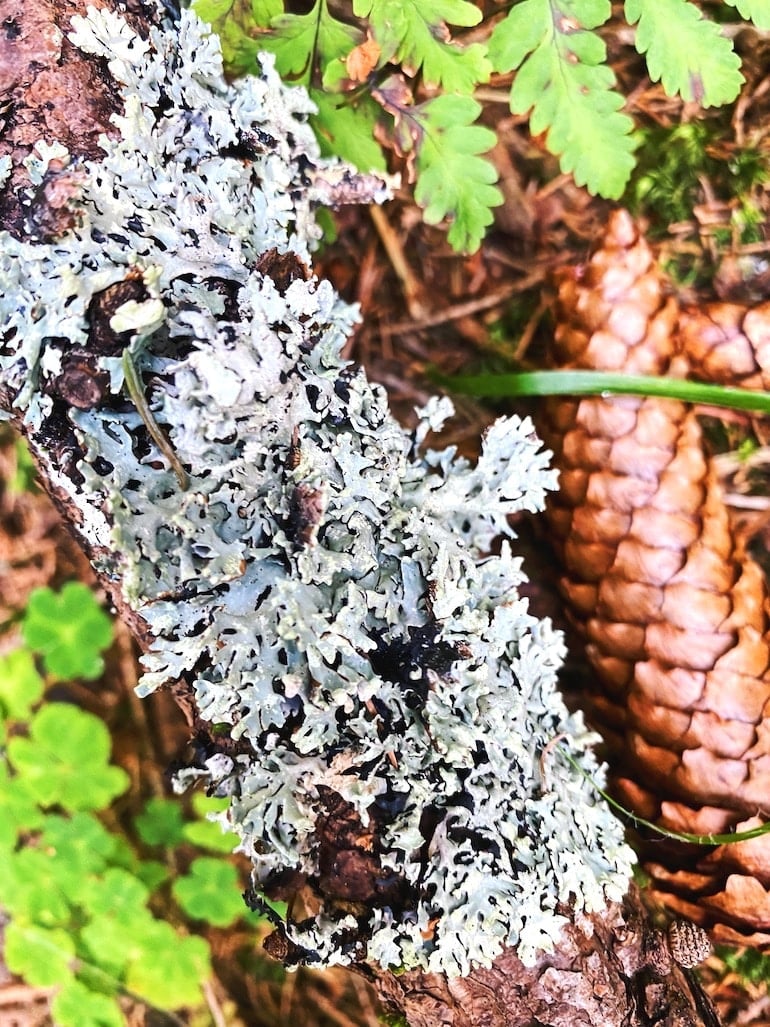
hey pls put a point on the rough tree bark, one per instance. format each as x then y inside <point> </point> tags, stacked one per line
<point>610,966</point>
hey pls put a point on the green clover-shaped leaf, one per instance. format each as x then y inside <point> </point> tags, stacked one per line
<point>65,759</point>
<point>20,684</point>
<point>34,886</point>
<point>68,629</point>
<point>81,841</point>
<point>160,822</point>
<point>76,1005</point>
<point>167,969</point>
<point>211,892</point>
<point>210,834</point>
<point>42,957</point>
<point>19,810</point>
<point>115,935</point>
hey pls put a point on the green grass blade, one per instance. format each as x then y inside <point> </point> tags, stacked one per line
<point>581,383</point>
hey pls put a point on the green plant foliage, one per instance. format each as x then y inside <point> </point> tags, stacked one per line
<point>671,163</point>
<point>65,759</point>
<point>394,1020</point>
<point>347,129</point>
<point>308,44</point>
<point>166,967</point>
<point>78,895</point>
<point>68,629</point>
<point>685,51</point>
<point>414,35</point>
<point>206,833</point>
<point>233,21</point>
<point>76,1005</point>
<point>726,838</point>
<point>116,901</point>
<point>18,808</point>
<point>312,49</point>
<point>41,956</point>
<point>562,81</point>
<point>21,687</point>
<point>86,841</point>
<point>594,383</point>
<point>210,892</point>
<point>757,11</point>
<point>675,161</point>
<point>24,474</point>
<point>160,822</point>
<point>452,180</point>
<point>749,964</point>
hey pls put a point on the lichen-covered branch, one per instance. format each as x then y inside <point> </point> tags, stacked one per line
<point>371,692</point>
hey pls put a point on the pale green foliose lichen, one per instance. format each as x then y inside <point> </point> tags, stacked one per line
<point>324,580</point>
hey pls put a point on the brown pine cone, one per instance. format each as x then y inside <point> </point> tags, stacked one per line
<point>673,611</point>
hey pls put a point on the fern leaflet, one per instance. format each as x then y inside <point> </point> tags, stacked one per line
<point>347,130</point>
<point>306,44</point>
<point>453,180</point>
<point>563,80</point>
<point>414,34</point>
<point>684,51</point>
<point>757,11</point>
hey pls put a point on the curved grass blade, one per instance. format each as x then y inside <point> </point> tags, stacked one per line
<point>729,838</point>
<point>580,383</point>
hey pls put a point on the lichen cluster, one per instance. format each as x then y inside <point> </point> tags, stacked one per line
<point>324,580</point>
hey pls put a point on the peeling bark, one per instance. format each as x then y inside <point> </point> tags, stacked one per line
<point>49,91</point>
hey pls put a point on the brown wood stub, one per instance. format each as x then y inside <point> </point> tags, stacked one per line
<point>577,985</point>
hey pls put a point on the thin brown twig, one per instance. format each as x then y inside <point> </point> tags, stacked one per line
<point>287,997</point>
<point>127,664</point>
<point>410,283</point>
<point>530,328</point>
<point>548,748</point>
<point>217,1013</point>
<point>335,1014</point>
<point>467,309</point>
<point>16,994</point>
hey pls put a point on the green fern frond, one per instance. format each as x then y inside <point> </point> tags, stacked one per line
<point>233,22</point>
<point>346,130</point>
<point>305,44</point>
<point>563,80</point>
<point>453,180</point>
